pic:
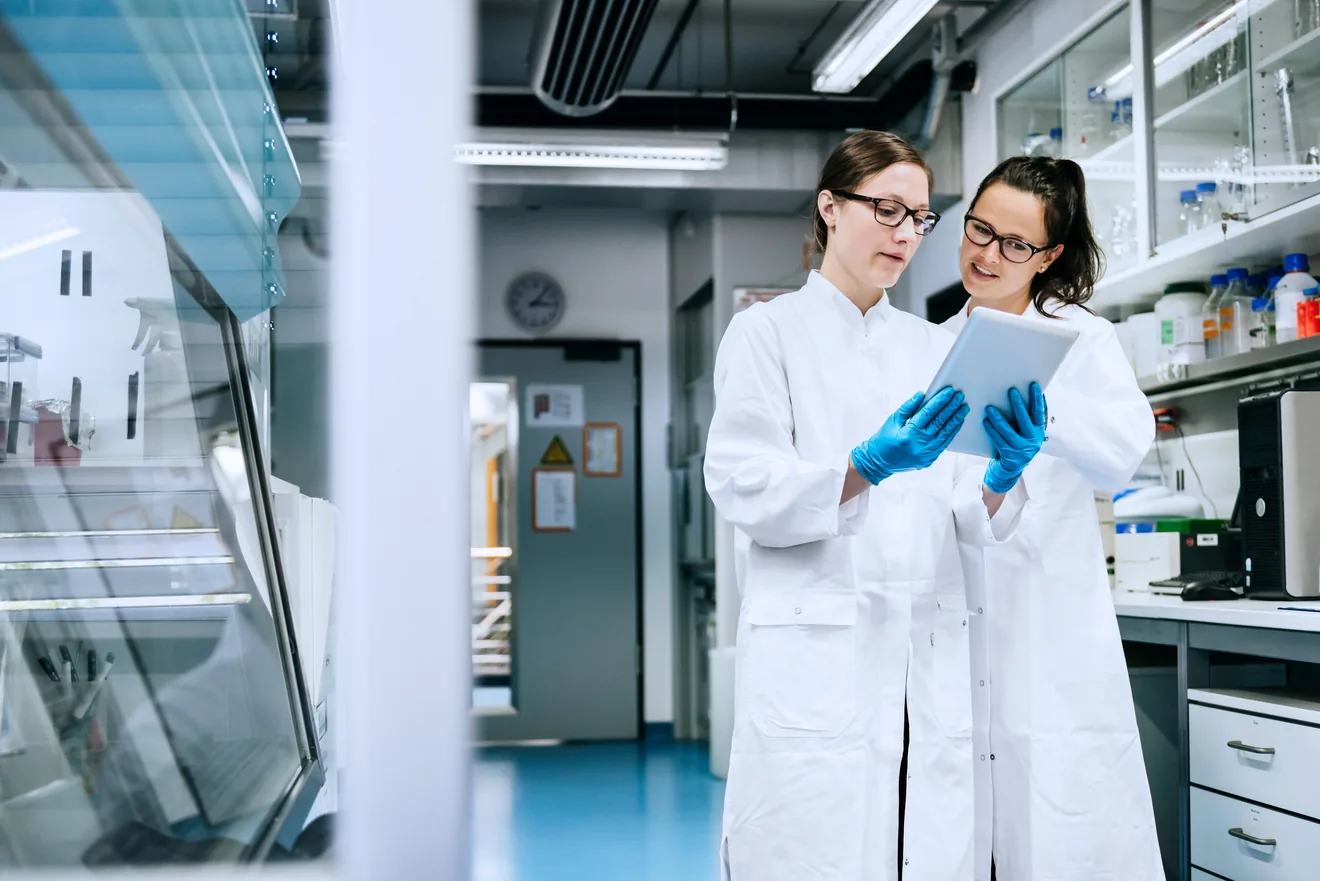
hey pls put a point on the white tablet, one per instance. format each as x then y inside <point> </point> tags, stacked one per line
<point>997,351</point>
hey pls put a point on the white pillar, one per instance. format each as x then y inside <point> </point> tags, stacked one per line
<point>402,295</point>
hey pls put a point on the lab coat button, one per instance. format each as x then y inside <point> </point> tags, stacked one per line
<point>983,757</point>
<point>980,611</point>
<point>982,683</point>
<point>797,611</point>
<point>992,757</point>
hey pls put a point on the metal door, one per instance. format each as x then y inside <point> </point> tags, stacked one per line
<point>574,578</point>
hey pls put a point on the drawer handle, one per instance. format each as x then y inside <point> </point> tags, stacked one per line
<point>1247,748</point>
<point>1246,836</point>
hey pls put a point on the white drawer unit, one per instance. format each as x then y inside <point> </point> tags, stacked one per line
<point>1262,759</point>
<point>1244,842</point>
<point>1198,875</point>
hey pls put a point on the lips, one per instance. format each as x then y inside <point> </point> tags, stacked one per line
<point>979,271</point>
<point>895,258</point>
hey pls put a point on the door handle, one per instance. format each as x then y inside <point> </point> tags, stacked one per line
<point>1246,836</point>
<point>1247,748</point>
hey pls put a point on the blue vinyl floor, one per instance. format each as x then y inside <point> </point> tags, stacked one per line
<point>597,812</point>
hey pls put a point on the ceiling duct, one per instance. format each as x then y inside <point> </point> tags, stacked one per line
<point>583,50</point>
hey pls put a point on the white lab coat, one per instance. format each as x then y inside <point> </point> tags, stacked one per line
<point>847,609</point>
<point>1065,794</point>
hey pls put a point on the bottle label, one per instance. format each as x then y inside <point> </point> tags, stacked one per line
<point>1211,328</point>
<point>1166,332</point>
<point>1225,319</point>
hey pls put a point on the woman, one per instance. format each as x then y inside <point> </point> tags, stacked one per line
<point>852,596</point>
<point>1065,793</point>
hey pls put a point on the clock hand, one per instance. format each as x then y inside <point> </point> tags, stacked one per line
<point>539,299</point>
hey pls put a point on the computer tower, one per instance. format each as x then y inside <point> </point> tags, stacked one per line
<point>1278,437</point>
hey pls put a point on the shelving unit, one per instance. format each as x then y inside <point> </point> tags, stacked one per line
<point>1302,55</point>
<point>1259,365</point>
<point>1206,110</point>
<point>1295,228</point>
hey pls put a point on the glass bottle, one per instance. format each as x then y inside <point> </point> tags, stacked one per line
<point>1207,197</point>
<point>1210,316</point>
<point>1189,216</point>
<point>1235,315</point>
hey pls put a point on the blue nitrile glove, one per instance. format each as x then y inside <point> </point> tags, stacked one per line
<point>1017,442</point>
<point>913,437</point>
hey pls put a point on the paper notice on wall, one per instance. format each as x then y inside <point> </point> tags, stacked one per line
<point>554,500</point>
<point>555,406</point>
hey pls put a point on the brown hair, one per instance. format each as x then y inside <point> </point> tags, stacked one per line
<point>1060,186</point>
<point>860,156</point>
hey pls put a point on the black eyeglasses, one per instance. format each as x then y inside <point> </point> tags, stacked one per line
<point>1015,250</point>
<point>891,213</point>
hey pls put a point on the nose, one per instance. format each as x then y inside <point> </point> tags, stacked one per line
<point>990,254</point>
<point>906,232</point>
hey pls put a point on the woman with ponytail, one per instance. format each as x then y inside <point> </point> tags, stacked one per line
<point>1061,786</point>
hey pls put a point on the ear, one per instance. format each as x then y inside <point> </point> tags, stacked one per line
<point>1050,256</point>
<point>828,208</point>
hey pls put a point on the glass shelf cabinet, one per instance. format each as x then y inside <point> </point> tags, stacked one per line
<point>1233,119</point>
<point>151,708</point>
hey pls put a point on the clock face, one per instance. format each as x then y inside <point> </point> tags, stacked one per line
<point>535,302</point>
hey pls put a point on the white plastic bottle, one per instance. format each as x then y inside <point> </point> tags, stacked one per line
<point>1291,290</point>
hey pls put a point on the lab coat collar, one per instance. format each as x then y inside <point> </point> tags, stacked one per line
<point>847,309</point>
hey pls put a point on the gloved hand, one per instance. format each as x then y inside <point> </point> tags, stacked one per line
<point>913,437</point>
<point>1017,442</point>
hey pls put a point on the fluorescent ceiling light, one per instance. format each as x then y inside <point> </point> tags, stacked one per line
<point>873,34</point>
<point>1187,51</point>
<point>57,605</point>
<point>676,157</point>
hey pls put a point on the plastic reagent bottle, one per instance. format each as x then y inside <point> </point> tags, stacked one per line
<point>1290,291</point>
<point>1210,316</point>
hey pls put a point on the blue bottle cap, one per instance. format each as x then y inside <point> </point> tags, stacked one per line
<point>1296,263</point>
<point>1056,133</point>
<point>1258,304</point>
<point>1274,282</point>
<point>1235,274</point>
<point>1218,281</point>
<point>1206,187</point>
<point>1189,196</point>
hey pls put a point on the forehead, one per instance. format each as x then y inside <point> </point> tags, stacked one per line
<point>1012,213</point>
<point>906,182</point>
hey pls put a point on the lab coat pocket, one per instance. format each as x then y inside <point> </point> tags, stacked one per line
<point>801,661</point>
<point>952,666</point>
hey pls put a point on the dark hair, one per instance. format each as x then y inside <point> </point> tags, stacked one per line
<point>1061,187</point>
<point>859,156</point>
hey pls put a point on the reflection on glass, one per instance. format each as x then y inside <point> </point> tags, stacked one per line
<point>1285,102</point>
<point>493,414</point>
<point>146,714</point>
<point>1202,116</point>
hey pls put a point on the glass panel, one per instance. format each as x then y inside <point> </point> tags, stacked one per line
<point>1285,60</point>
<point>1097,132</point>
<point>1202,115</point>
<point>1080,107</point>
<point>146,713</point>
<point>1031,113</point>
<point>494,425</point>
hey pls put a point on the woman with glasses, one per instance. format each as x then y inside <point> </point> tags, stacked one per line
<point>825,457</point>
<point>1064,793</point>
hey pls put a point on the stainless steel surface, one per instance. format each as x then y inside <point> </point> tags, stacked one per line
<point>1246,836</point>
<point>1258,365</point>
<point>1246,748</point>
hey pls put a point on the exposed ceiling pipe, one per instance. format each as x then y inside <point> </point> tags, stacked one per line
<point>944,58</point>
<point>583,50</point>
<point>694,111</point>
<point>728,65</point>
<point>676,37</point>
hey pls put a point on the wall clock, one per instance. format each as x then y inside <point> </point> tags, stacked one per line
<point>535,302</point>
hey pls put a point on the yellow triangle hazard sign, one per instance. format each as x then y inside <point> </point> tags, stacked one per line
<point>556,454</point>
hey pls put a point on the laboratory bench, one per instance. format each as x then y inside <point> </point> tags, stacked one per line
<point>1227,695</point>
